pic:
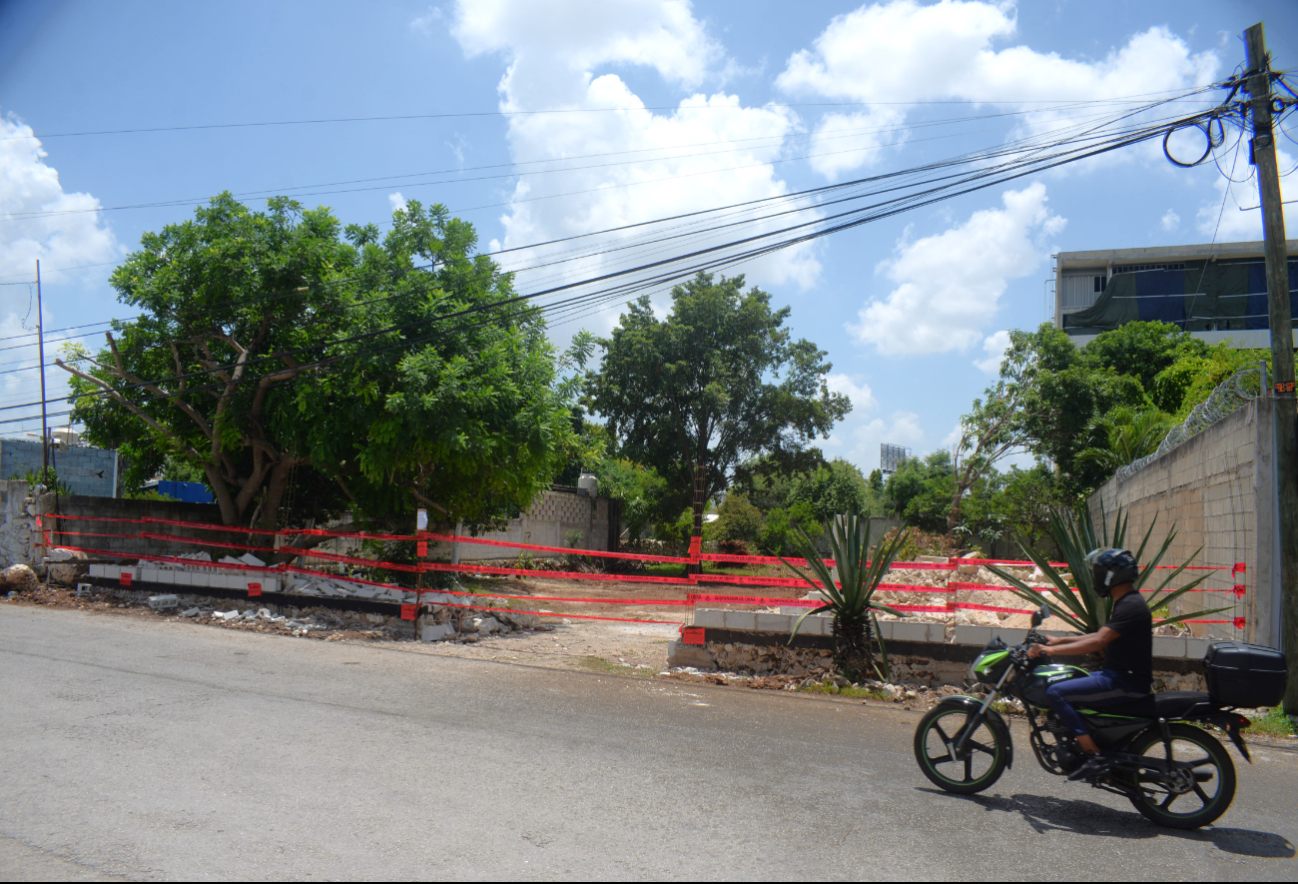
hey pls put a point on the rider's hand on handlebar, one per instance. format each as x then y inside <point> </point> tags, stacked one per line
<point>1035,651</point>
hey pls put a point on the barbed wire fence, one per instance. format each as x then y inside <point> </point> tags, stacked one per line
<point>1241,388</point>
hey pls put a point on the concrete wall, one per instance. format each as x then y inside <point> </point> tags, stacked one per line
<point>87,471</point>
<point>551,519</point>
<point>1219,490</point>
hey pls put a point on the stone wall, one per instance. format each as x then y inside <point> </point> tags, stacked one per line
<point>87,471</point>
<point>1219,490</point>
<point>18,534</point>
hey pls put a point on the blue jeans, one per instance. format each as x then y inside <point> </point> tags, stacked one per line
<point>1103,688</point>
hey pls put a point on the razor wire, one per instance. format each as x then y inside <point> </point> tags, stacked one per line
<point>1238,390</point>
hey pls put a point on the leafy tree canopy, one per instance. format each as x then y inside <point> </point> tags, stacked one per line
<point>719,380</point>
<point>275,350</point>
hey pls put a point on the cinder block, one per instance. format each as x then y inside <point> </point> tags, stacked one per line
<point>782,623</point>
<point>1169,646</point>
<point>182,578</point>
<point>1009,636</point>
<point>740,620</point>
<point>885,629</point>
<point>1195,648</point>
<point>903,631</point>
<point>710,618</point>
<point>973,635</point>
<point>811,626</point>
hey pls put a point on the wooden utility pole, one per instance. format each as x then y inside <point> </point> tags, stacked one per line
<point>40,350</point>
<point>1282,355</point>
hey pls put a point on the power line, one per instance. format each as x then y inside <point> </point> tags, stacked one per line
<point>1005,172</point>
<point>524,113</point>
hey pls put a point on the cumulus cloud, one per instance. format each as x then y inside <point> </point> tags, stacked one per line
<point>855,389</point>
<point>38,220</point>
<point>948,286</point>
<point>902,51</point>
<point>1170,221</point>
<point>994,346</point>
<point>709,151</point>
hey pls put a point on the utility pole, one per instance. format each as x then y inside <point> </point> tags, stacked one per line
<point>40,350</point>
<point>1258,86</point>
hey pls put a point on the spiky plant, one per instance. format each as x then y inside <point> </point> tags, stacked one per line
<point>851,599</point>
<point>1078,604</point>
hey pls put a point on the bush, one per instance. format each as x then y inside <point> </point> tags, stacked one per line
<point>737,519</point>
<point>732,547</point>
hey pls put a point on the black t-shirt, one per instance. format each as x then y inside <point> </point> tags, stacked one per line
<point>1132,652</point>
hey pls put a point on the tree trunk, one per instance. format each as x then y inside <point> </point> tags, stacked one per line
<point>275,491</point>
<point>229,513</point>
<point>853,648</point>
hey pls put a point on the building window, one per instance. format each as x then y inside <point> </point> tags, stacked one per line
<point>1100,283</point>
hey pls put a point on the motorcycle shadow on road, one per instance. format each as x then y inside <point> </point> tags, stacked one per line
<point>1044,814</point>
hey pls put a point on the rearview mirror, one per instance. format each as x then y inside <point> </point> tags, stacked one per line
<point>1040,616</point>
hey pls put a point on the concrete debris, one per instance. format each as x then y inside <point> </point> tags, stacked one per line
<point>436,632</point>
<point>253,561</point>
<point>163,602</point>
<point>190,612</point>
<point>225,615</point>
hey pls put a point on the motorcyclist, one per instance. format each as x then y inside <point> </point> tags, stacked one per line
<point>1127,641</point>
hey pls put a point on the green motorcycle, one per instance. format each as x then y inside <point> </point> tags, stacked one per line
<point>1174,772</point>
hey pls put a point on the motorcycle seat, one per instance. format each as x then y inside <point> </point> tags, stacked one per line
<point>1168,704</point>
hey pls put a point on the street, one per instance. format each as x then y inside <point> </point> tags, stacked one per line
<point>137,749</point>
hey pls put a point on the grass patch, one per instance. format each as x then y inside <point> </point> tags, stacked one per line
<point>607,667</point>
<point>1274,724</point>
<point>851,692</point>
<point>664,569</point>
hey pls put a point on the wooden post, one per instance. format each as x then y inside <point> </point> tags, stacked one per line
<point>1258,86</point>
<point>40,349</point>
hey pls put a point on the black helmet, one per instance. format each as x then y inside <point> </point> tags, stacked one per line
<point>1110,568</point>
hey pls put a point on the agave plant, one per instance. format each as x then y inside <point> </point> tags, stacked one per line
<point>1078,604</point>
<point>851,599</point>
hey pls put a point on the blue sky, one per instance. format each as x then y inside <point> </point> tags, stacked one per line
<point>717,101</point>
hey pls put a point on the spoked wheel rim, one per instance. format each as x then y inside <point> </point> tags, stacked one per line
<point>975,764</point>
<point>1194,790</point>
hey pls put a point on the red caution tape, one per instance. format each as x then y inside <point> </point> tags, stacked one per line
<point>1239,590</point>
<point>553,614</point>
<point>562,575</point>
<point>567,551</point>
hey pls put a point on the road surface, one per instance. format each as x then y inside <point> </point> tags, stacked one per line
<point>138,749</point>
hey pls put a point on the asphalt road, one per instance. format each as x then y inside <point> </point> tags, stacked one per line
<point>138,749</point>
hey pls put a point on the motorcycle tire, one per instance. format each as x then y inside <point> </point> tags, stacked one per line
<point>1213,786</point>
<point>985,759</point>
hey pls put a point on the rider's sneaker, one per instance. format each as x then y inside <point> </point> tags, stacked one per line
<point>1091,768</point>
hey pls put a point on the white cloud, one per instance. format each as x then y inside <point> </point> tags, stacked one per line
<point>30,187</point>
<point>843,142</point>
<point>1236,225</point>
<point>994,346</point>
<point>855,389</point>
<point>949,285</point>
<point>901,51</point>
<point>709,151</point>
<point>1170,221</point>
<point>396,200</point>
<point>899,428</point>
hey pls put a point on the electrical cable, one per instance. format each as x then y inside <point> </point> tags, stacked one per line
<point>906,203</point>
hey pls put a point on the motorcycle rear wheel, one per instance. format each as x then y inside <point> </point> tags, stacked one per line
<point>982,764</point>
<point>1214,781</point>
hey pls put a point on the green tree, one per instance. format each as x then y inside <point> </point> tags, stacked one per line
<point>273,344</point>
<point>718,381</point>
<point>737,519</point>
<point>920,491</point>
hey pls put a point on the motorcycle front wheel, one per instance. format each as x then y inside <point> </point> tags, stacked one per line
<point>1199,793</point>
<point>976,768</point>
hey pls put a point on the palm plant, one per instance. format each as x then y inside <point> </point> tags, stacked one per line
<point>1078,604</point>
<point>851,599</point>
<point>1131,435</point>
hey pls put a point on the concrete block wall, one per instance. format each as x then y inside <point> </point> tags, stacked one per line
<point>87,471</point>
<point>1218,489</point>
<point>549,522</point>
<point>116,513</point>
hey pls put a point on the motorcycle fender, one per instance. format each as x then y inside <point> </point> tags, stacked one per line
<point>994,720</point>
<point>1231,723</point>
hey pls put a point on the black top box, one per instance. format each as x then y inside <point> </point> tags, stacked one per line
<point>1244,675</point>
